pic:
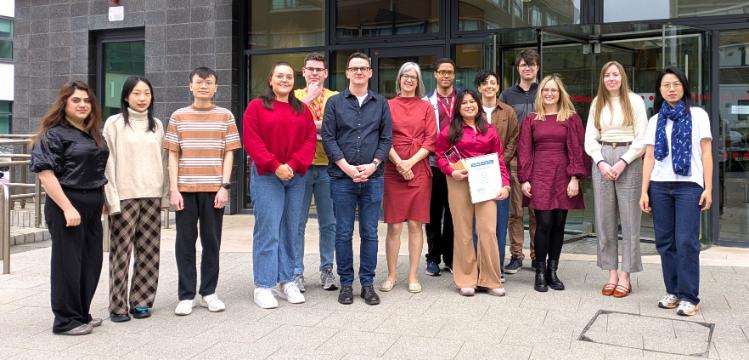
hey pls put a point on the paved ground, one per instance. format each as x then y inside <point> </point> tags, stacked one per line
<point>438,323</point>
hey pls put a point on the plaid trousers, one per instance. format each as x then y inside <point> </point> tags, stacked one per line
<point>137,228</point>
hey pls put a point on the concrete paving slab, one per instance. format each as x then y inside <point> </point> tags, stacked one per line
<point>410,347</point>
<point>361,342</point>
<point>524,324</point>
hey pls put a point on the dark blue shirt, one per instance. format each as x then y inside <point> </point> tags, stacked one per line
<point>356,133</point>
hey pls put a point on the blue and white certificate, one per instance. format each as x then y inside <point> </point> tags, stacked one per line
<point>484,177</point>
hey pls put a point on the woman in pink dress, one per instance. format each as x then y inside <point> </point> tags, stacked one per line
<point>408,183</point>
<point>552,162</point>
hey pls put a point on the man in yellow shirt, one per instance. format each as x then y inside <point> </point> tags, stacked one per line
<point>315,95</point>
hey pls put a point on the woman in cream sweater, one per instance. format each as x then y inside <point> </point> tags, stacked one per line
<point>614,138</point>
<point>136,191</point>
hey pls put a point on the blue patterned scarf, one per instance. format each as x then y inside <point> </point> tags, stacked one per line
<point>681,137</point>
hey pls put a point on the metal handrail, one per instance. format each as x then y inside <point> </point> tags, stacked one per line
<point>5,227</point>
<point>7,199</point>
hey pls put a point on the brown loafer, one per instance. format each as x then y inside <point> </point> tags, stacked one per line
<point>608,289</point>
<point>622,291</point>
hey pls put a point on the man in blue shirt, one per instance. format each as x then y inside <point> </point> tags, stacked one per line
<point>357,134</point>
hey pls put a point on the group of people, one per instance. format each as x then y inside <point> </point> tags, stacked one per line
<point>357,153</point>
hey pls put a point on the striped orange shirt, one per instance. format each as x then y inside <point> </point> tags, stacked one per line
<point>201,136</point>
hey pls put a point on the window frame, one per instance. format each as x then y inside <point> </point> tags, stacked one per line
<point>10,39</point>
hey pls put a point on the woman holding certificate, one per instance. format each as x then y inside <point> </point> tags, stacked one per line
<point>469,135</point>
<point>552,162</point>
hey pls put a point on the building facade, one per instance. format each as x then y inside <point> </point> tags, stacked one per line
<point>164,39</point>
<point>7,12</point>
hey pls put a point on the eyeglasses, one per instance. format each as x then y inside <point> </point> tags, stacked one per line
<point>445,72</point>
<point>524,65</point>
<point>359,69</point>
<point>409,77</point>
<point>314,69</point>
<point>553,91</point>
<point>674,85</point>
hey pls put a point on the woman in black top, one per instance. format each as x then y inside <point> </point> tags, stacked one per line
<point>70,155</point>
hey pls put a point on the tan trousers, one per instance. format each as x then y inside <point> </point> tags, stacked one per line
<point>515,224</point>
<point>479,267</point>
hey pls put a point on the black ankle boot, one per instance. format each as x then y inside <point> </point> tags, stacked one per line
<point>540,284</point>
<point>551,275</point>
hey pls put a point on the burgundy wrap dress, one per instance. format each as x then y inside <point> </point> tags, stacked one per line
<point>414,127</point>
<point>550,153</point>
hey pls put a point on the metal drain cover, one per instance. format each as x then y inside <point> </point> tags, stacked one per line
<point>649,333</point>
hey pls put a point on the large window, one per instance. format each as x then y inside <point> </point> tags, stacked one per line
<point>378,18</point>
<point>6,39</point>
<point>286,23</point>
<point>733,136</point>
<point>6,115</point>
<point>630,10</point>
<point>482,15</point>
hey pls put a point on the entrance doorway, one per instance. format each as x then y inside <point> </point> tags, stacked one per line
<point>577,53</point>
<point>119,55</point>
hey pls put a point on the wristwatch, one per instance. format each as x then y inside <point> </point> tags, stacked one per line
<point>226,186</point>
<point>376,162</point>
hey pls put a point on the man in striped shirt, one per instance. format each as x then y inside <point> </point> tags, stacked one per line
<point>200,139</point>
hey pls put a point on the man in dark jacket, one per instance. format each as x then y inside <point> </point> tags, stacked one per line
<point>522,98</point>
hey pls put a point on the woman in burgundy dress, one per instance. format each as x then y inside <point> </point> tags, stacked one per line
<point>408,183</point>
<point>552,163</point>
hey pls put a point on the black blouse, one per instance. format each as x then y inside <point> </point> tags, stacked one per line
<point>72,155</point>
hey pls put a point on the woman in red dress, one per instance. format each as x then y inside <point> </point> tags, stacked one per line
<point>408,183</point>
<point>552,162</point>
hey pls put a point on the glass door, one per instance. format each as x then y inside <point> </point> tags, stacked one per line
<point>577,54</point>
<point>387,62</point>
<point>732,138</point>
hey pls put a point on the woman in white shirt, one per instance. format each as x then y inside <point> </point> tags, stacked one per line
<point>676,185</point>
<point>136,190</point>
<point>614,139</point>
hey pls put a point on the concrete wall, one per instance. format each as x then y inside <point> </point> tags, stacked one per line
<point>55,41</point>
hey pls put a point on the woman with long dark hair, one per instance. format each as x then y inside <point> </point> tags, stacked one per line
<point>677,183</point>
<point>136,190</point>
<point>70,156</point>
<point>279,136</point>
<point>471,135</point>
<point>615,139</point>
<point>552,163</point>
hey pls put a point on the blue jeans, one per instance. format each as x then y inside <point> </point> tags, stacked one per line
<point>503,216</point>
<point>317,182</point>
<point>676,222</point>
<point>277,205</point>
<point>347,197</point>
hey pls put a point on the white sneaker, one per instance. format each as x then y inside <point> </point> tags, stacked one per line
<point>264,298</point>
<point>290,292</point>
<point>213,303</point>
<point>184,307</point>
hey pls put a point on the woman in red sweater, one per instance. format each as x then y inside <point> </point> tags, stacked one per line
<point>471,135</point>
<point>279,136</point>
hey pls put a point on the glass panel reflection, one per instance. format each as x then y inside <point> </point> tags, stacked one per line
<point>630,10</point>
<point>480,15</point>
<point>378,18</point>
<point>286,23</point>
<point>733,137</point>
